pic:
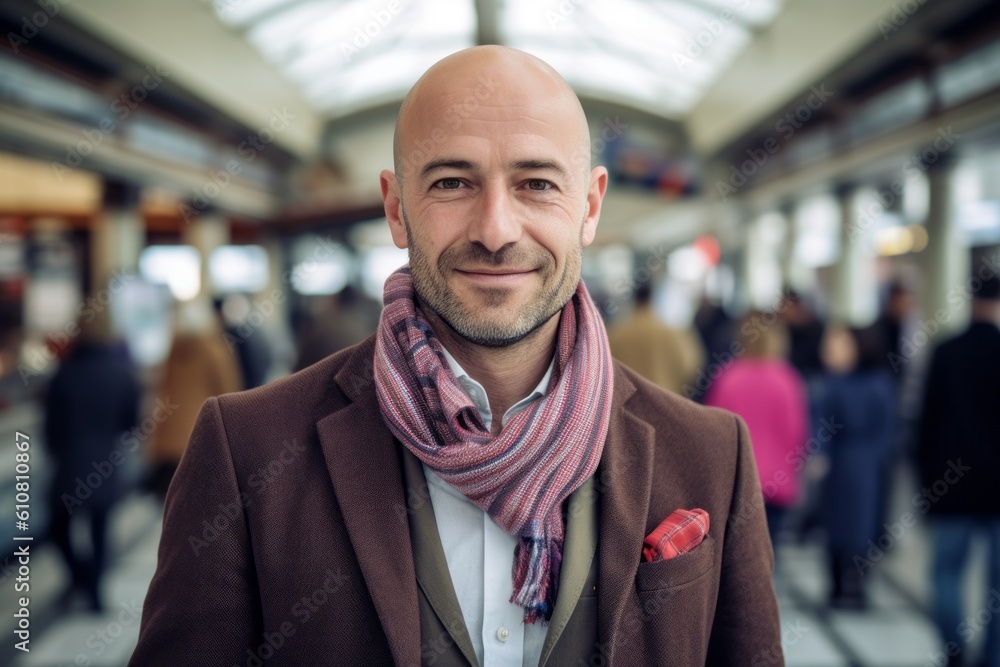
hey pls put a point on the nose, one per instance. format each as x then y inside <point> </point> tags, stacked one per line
<point>496,222</point>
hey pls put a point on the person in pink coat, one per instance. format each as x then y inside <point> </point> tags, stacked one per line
<point>763,388</point>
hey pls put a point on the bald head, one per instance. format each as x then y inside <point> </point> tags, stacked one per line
<point>488,84</point>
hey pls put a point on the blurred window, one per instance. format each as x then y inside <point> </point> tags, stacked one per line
<point>817,238</point>
<point>897,106</point>
<point>176,266</point>
<point>974,73</point>
<point>320,266</point>
<point>238,268</point>
<point>376,266</point>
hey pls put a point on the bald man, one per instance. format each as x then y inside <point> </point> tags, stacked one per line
<point>478,483</point>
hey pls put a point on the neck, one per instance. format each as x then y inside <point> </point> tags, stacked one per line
<point>507,374</point>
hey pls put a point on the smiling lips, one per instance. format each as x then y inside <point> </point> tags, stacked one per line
<point>500,276</point>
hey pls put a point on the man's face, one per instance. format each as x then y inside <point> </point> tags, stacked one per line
<point>494,208</point>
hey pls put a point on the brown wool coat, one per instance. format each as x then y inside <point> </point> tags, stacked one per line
<point>289,536</point>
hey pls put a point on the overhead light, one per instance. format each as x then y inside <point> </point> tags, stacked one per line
<point>897,240</point>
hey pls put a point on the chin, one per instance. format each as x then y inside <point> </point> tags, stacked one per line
<point>498,339</point>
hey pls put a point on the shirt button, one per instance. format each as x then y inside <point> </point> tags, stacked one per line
<point>503,634</point>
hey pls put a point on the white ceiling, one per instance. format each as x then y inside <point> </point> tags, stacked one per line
<point>344,54</point>
<point>250,57</point>
<point>202,55</point>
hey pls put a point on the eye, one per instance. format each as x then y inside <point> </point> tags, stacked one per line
<point>539,185</point>
<point>448,184</point>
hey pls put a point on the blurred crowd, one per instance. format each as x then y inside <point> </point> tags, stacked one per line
<point>823,403</point>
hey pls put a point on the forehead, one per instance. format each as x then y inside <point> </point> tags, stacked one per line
<point>477,114</point>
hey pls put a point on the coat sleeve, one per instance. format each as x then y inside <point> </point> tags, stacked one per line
<point>203,606</point>
<point>746,629</point>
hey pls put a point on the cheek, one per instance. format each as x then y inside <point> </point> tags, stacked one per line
<point>436,227</point>
<point>561,246</point>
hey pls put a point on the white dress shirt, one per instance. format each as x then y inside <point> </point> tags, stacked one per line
<point>480,554</point>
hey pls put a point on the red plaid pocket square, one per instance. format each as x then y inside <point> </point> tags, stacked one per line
<point>676,535</point>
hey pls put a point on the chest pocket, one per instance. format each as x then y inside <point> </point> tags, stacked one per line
<point>676,572</point>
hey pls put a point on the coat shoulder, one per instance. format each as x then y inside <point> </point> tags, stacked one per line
<point>308,394</point>
<point>681,421</point>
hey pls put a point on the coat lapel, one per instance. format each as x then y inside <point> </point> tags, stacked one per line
<point>624,480</point>
<point>431,563</point>
<point>578,556</point>
<point>363,461</point>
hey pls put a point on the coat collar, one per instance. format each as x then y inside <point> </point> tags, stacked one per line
<point>377,523</point>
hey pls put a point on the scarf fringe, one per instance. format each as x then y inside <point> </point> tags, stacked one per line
<point>537,561</point>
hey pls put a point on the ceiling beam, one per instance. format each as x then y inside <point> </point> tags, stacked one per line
<point>488,22</point>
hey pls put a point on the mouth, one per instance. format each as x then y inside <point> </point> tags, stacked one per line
<point>496,276</point>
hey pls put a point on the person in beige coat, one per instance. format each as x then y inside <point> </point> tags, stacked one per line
<point>667,357</point>
<point>198,367</point>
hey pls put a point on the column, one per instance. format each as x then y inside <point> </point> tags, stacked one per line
<point>945,262</point>
<point>119,233</point>
<point>207,232</point>
<point>855,292</point>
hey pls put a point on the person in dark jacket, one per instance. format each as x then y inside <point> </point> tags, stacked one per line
<point>92,401</point>
<point>858,402</point>
<point>959,459</point>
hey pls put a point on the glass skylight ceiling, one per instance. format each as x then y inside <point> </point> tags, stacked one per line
<point>657,55</point>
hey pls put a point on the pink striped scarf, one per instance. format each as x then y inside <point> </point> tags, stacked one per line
<point>544,452</point>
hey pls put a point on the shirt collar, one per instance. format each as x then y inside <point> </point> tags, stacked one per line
<point>477,392</point>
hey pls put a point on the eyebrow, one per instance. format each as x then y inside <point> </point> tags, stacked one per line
<point>446,163</point>
<point>540,165</point>
<point>465,165</point>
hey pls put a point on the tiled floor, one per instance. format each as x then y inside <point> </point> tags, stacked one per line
<point>893,632</point>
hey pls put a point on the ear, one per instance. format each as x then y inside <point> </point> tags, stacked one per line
<point>392,199</point>
<point>595,197</point>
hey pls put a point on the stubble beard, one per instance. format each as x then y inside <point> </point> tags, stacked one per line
<point>500,328</point>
